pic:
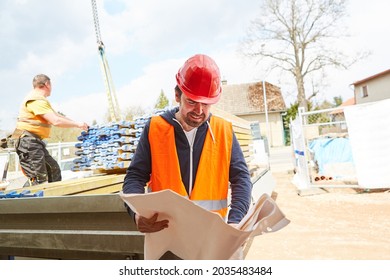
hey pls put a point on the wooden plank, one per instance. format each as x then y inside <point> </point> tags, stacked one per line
<point>103,190</point>
<point>237,129</point>
<point>244,142</point>
<point>236,121</point>
<point>82,186</point>
<point>98,178</point>
<point>244,136</point>
<point>76,185</point>
<point>247,154</point>
<point>248,160</point>
<point>245,148</point>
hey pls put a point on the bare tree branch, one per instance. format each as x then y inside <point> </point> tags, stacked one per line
<point>300,37</point>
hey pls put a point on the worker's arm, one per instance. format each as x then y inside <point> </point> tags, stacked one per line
<point>240,184</point>
<point>137,176</point>
<point>138,173</point>
<point>61,121</point>
<point>43,108</point>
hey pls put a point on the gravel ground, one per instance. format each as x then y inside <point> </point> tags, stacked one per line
<point>340,224</point>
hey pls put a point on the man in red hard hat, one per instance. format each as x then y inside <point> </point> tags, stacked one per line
<point>190,151</point>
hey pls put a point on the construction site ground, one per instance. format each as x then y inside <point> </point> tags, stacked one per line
<point>336,224</point>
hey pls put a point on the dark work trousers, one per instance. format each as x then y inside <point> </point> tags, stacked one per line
<point>37,164</point>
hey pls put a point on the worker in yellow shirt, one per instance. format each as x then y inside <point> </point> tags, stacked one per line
<point>36,116</point>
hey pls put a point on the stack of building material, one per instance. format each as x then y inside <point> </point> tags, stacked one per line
<point>111,183</point>
<point>16,194</point>
<point>109,147</point>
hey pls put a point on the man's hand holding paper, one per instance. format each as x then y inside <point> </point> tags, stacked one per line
<point>198,234</point>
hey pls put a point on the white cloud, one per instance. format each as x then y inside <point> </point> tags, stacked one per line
<point>87,108</point>
<point>144,90</point>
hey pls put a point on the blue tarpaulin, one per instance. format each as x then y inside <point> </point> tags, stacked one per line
<point>330,150</point>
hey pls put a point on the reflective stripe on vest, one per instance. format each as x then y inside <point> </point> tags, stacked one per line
<point>212,178</point>
<point>34,122</point>
<point>30,122</point>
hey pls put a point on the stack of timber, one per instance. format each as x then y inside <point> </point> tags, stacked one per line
<point>98,184</point>
<point>243,132</point>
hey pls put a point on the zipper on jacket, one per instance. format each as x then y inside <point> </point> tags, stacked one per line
<point>191,145</point>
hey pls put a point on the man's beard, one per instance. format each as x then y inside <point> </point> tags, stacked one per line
<point>192,123</point>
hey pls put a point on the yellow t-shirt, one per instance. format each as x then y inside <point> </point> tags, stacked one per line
<point>39,107</point>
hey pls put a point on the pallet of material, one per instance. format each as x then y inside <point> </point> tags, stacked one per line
<point>102,184</point>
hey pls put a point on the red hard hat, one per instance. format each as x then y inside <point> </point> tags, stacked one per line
<point>199,79</point>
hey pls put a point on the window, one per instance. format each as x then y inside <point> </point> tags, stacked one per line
<point>364,91</point>
<point>255,130</point>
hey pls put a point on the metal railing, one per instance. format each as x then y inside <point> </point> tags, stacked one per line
<point>62,152</point>
<point>321,143</point>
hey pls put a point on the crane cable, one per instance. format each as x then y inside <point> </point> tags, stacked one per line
<point>114,108</point>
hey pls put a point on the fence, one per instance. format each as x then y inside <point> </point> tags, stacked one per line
<point>323,155</point>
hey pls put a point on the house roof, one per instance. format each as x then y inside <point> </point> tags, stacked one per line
<point>372,77</point>
<point>248,98</point>
<point>347,102</point>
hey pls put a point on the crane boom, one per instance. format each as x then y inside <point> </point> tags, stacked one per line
<point>113,104</point>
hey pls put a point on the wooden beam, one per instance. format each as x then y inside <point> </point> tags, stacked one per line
<point>77,185</point>
<point>103,190</point>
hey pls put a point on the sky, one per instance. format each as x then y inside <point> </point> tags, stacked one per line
<point>146,42</point>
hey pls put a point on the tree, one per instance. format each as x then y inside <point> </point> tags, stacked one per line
<point>162,101</point>
<point>299,37</point>
<point>132,112</point>
<point>61,134</point>
<point>107,116</point>
<point>337,100</point>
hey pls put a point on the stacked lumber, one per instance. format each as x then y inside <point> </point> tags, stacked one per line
<point>242,130</point>
<point>98,184</point>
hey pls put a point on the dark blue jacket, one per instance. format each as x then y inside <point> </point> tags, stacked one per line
<point>138,173</point>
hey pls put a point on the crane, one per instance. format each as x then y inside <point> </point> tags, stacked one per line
<point>113,104</point>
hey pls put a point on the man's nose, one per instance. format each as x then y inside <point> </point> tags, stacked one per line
<point>198,108</point>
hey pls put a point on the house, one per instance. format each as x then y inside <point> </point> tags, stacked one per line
<point>373,88</point>
<point>338,114</point>
<point>247,102</point>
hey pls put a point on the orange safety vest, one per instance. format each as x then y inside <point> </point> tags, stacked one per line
<point>210,189</point>
<point>30,122</point>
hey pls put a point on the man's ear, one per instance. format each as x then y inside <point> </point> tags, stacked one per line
<point>177,97</point>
